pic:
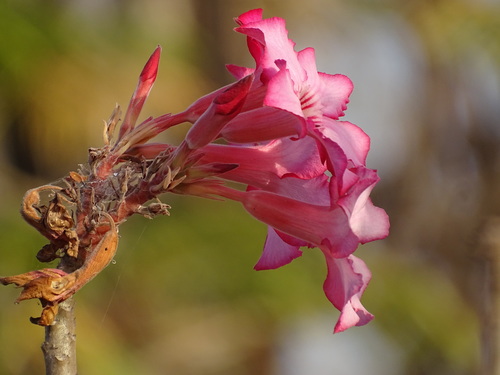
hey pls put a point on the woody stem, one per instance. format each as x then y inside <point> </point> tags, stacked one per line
<point>59,347</point>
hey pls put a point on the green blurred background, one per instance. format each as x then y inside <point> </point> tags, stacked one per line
<point>182,297</point>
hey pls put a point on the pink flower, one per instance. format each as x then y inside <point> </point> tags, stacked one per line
<point>321,201</point>
<point>304,170</point>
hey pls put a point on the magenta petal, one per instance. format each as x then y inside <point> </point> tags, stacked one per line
<point>314,191</point>
<point>253,15</point>
<point>239,72</point>
<point>268,41</point>
<point>346,281</point>
<point>329,93</point>
<point>335,94</point>
<point>198,107</point>
<point>325,227</point>
<point>281,94</point>
<point>276,252</point>
<point>354,142</point>
<point>225,106</point>
<point>281,158</point>
<point>368,222</point>
<point>334,157</point>
<point>263,124</point>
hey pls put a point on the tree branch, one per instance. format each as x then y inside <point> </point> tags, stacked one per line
<point>59,348</point>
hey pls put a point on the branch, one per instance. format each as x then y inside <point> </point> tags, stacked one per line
<point>59,348</point>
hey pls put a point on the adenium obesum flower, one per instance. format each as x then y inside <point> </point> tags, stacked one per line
<point>305,170</point>
<point>301,170</point>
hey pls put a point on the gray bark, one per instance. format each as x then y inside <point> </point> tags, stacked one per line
<point>59,348</point>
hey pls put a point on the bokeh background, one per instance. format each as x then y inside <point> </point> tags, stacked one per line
<point>182,297</point>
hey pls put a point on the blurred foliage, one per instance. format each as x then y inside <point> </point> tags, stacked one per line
<point>182,297</point>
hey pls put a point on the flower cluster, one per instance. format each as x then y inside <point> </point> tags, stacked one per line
<point>306,170</point>
<point>303,171</point>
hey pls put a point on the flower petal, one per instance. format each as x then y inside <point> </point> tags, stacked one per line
<point>351,139</point>
<point>268,41</point>
<point>239,72</point>
<point>346,281</point>
<point>325,227</point>
<point>280,158</point>
<point>281,93</point>
<point>225,106</point>
<point>276,252</point>
<point>335,93</point>
<point>263,124</point>
<point>368,222</point>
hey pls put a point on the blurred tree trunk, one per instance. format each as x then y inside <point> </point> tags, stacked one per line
<point>458,162</point>
<point>490,334</point>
